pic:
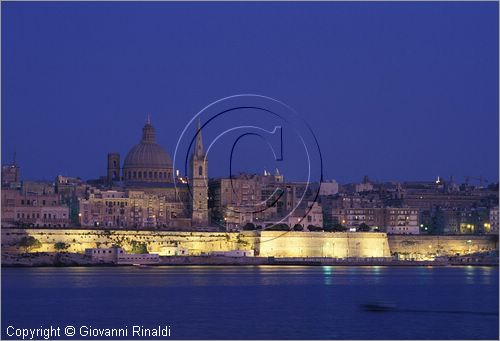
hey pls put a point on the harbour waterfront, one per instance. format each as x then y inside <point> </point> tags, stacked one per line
<point>258,302</point>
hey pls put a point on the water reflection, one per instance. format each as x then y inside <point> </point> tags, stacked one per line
<point>285,301</point>
<point>376,273</point>
<point>470,274</point>
<point>486,272</point>
<point>327,274</point>
<point>424,275</point>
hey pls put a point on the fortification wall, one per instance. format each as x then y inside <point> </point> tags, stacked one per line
<point>424,246</point>
<point>79,239</point>
<point>265,243</point>
<point>323,244</point>
<point>277,244</point>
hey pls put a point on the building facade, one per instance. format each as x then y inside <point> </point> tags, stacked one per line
<point>31,209</point>
<point>493,224</point>
<point>402,221</point>
<point>131,209</point>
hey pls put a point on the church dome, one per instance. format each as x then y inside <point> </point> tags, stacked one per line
<point>147,161</point>
<point>146,155</point>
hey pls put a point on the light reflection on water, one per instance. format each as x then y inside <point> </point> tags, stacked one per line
<point>88,277</point>
<point>286,302</point>
<point>327,273</point>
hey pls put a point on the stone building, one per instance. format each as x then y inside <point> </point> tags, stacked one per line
<point>330,187</point>
<point>266,199</point>
<point>32,209</point>
<point>493,224</point>
<point>354,217</point>
<point>131,209</point>
<point>10,175</point>
<point>242,190</point>
<point>402,220</point>
<point>117,255</point>
<point>311,215</point>
<point>250,198</point>
<point>144,192</point>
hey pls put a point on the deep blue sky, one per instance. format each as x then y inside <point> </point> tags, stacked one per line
<point>392,90</point>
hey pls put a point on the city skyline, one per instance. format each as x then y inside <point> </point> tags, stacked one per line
<point>472,179</point>
<point>268,170</point>
<point>365,93</point>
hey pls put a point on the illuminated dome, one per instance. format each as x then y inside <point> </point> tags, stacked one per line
<point>147,161</point>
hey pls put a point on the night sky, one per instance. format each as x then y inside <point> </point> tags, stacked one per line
<point>396,91</point>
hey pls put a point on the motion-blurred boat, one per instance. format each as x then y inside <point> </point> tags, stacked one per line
<point>378,307</point>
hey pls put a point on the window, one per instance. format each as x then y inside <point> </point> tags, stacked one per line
<point>150,175</point>
<point>200,170</point>
<point>135,175</point>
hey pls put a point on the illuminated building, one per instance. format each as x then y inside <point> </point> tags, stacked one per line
<point>402,221</point>
<point>142,192</point>
<point>131,209</point>
<point>493,223</point>
<point>390,219</point>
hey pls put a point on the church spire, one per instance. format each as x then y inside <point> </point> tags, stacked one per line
<point>198,182</point>
<point>199,151</point>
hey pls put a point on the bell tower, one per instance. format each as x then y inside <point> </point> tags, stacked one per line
<point>199,182</point>
<point>113,167</point>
